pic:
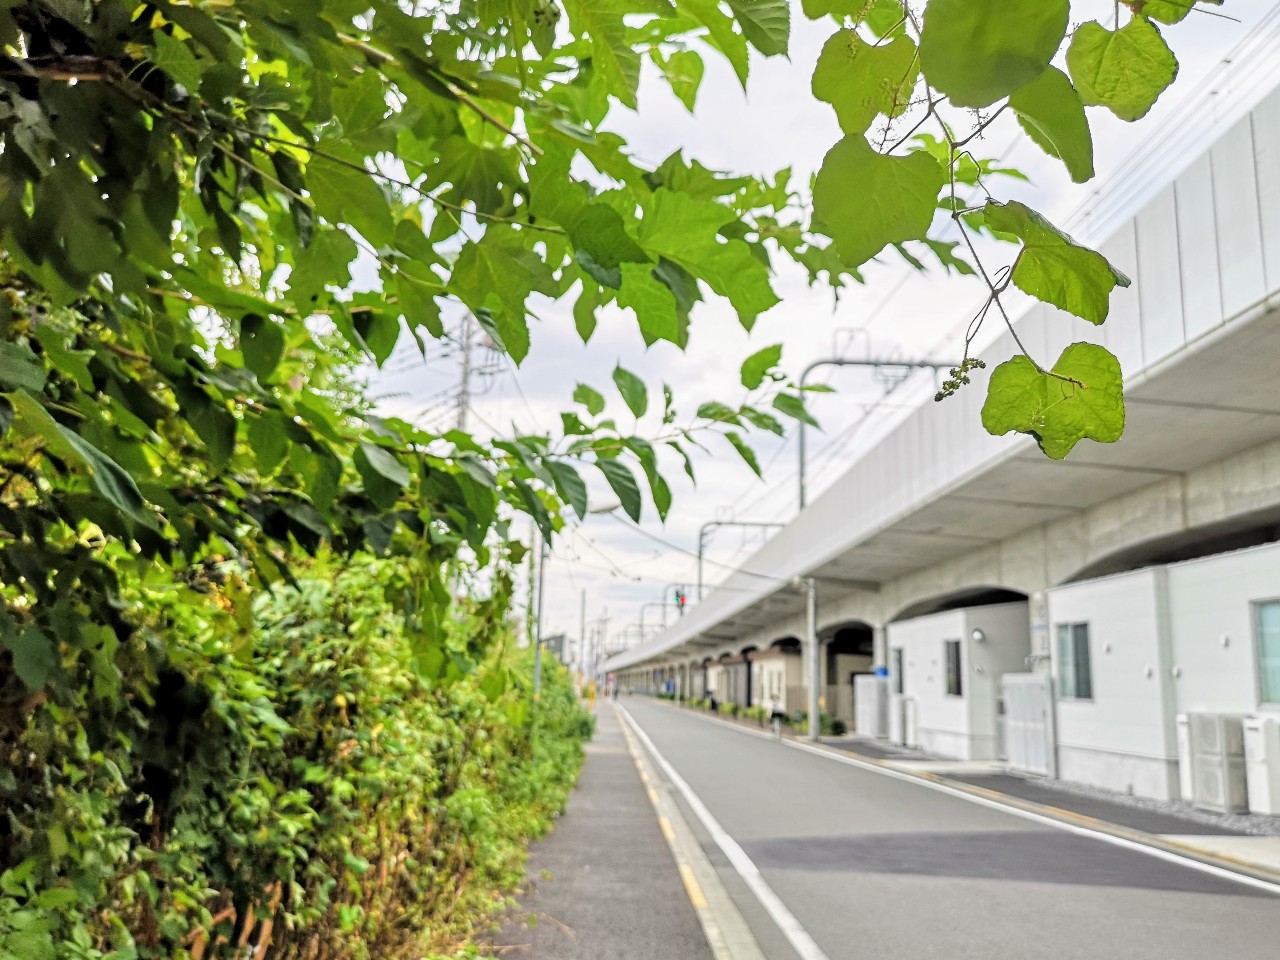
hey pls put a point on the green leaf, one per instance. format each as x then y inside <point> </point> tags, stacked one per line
<point>350,195</point>
<point>478,173</point>
<point>687,232</point>
<point>758,365</point>
<point>863,80</point>
<point>748,455</point>
<point>20,367</point>
<point>1058,412</point>
<point>1170,11</point>
<point>721,34</point>
<point>267,435</point>
<point>684,456</point>
<point>1054,268</point>
<point>416,301</point>
<point>1050,111</point>
<point>978,51</point>
<point>718,412</point>
<point>613,58</point>
<point>623,483</point>
<point>386,463</point>
<point>493,685</point>
<point>110,480</point>
<point>602,243</point>
<point>34,655</point>
<point>762,421</point>
<point>569,486</point>
<point>176,59</point>
<point>659,313</point>
<point>793,407</point>
<point>262,344</point>
<point>589,398</point>
<point>683,70</point>
<point>765,23</point>
<point>384,476</point>
<point>324,263</point>
<point>499,273</point>
<point>584,311</point>
<point>882,17</point>
<point>661,493</point>
<point>867,201</point>
<point>634,393</point>
<point>1123,70</point>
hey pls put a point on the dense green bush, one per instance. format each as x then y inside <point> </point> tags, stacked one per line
<point>828,725</point>
<point>274,770</point>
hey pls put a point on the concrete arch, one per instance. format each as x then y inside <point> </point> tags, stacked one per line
<point>1239,533</point>
<point>979,595</point>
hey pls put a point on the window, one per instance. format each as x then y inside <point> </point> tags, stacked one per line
<point>1075,670</point>
<point>1267,625</point>
<point>955,680</point>
<point>898,664</point>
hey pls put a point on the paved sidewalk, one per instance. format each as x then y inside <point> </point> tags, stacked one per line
<point>604,885</point>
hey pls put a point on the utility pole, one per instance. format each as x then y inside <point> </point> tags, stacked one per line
<point>533,564</point>
<point>907,365</point>
<point>582,633</point>
<point>464,385</point>
<point>712,524</point>
<point>537,647</point>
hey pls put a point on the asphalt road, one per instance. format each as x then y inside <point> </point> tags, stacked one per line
<point>883,869</point>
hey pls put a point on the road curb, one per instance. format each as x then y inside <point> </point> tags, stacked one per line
<point>1244,868</point>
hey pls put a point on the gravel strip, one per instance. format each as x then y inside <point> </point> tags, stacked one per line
<point>1254,824</point>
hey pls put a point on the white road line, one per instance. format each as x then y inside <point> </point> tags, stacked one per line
<point>1190,862</point>
<point>791,928</point>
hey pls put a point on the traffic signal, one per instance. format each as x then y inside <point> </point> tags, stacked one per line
<point>681,599</point>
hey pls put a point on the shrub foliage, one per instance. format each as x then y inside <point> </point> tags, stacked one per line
<point>275,781</point>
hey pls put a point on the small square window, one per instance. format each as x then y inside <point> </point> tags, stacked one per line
<point>1075,668</point>
<point>955,678</point>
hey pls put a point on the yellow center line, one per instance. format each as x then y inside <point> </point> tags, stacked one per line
<point>653,796</point>
<point>667,832</point>
<point>691,887</point>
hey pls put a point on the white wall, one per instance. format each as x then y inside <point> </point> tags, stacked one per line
<point>962,727</point>
<point>1211,619</point>
<point>1163,641</point>
<point>1123,738</point>
<point>1007,628</point>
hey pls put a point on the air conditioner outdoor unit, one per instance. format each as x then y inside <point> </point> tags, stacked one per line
<point>1262,764</point>
<point>1217,762</point>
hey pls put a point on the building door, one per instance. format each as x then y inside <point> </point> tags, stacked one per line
<point>1030,740</point>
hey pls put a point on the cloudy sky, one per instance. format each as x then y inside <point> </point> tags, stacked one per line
<point>897,314</point>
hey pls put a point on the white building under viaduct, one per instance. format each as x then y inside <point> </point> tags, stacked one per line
<point>1138,576</point>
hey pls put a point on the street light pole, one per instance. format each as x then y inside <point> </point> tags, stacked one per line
<point>844,362</point>
<point>815,665</point>
<point>711,524</point>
